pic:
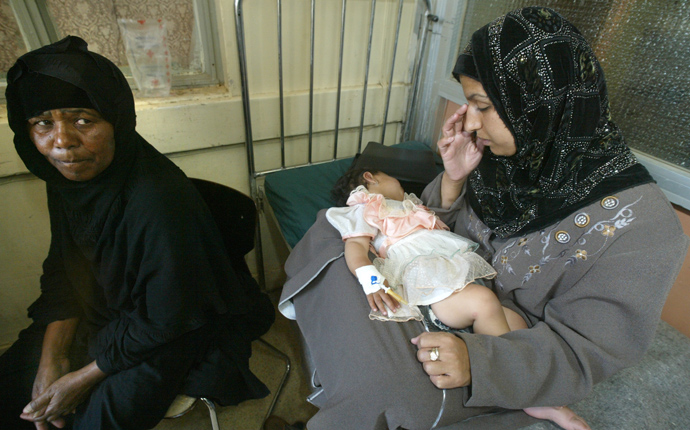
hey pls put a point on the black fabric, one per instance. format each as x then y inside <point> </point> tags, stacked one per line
<point>549,89</point>
<point>135,251</point>
<point>41,93</point>
<point>403,164</point>
<point>151,385</point>
<point>18,366</point>
<point>414,169</point>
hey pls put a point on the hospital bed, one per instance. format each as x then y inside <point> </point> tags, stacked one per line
<point>315,128</point>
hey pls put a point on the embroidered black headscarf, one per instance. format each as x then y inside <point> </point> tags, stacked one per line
<point>549,89</point>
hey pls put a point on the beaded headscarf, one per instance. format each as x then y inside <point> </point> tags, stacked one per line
<point>549,89</point>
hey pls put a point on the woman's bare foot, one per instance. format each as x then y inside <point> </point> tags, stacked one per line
<point>561,415</point>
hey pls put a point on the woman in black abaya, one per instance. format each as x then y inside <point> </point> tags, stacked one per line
<point>139,301</point>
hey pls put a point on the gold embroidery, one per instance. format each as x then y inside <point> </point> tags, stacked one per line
<point>608,230</point>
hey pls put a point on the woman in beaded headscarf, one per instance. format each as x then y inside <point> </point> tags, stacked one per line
<point>540,176</point>
<point>139,300</point>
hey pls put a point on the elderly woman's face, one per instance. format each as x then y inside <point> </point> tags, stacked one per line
<point>78,142</point>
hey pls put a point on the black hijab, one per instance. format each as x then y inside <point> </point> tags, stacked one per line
<point>67,75</point>
<point>549,89</point>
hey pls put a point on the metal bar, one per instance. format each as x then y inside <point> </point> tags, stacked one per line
<point>340,80</point>
<point>212,412</point>
<point>285,357</point>
<point>421,50</point>
<point>280,82</point>
<point>366,76</point>
<point>267,172</point>
<point>251,166</point>
<point>390,83</point>
<point>311,81</point>
<point>241,50</point>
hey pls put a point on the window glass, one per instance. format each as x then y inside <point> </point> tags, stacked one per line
<point>29,24</point>
<point>10,38</point>
<point>644,49</point>
<point>103,34</point>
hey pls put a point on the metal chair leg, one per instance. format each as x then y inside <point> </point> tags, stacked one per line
<point>282,381</point>
<point>212,412</point>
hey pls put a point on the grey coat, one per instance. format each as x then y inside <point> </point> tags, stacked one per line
<point>590,287</point>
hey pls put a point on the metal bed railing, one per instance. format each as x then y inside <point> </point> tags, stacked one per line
<point>427,18</point>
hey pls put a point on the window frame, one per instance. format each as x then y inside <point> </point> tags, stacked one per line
<point>38,30</point>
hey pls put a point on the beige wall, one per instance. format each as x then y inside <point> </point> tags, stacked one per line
<point>202,130</point>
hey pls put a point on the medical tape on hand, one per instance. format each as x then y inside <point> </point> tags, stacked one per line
<point>370,278</point>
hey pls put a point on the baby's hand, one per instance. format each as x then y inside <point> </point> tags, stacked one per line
<point>376,302</point>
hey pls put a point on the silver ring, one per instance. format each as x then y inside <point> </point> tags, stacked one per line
<point>434,354</point>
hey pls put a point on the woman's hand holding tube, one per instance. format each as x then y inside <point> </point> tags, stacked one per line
<point>460,154</point>
<point>451,367</point>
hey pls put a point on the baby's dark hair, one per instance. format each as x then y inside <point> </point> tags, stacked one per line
<point>353,178</point>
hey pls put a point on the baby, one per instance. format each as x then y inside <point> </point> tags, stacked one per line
<point>419,263</point>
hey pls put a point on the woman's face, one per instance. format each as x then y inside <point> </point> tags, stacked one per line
<point>388,186</point>
<point>482,118</point>
<point>78,142</point>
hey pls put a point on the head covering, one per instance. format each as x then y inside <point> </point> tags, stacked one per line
<point>67,75</point>
<point>549,89</point>
<point>40,93</point>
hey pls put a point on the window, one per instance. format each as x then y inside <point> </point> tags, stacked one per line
<point>10,38</point>
<point>29,24</point>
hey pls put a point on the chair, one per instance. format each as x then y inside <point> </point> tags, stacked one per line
<point>236,217</point>
<point>183,404</point>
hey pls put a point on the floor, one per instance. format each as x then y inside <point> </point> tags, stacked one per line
<point>269,367</point>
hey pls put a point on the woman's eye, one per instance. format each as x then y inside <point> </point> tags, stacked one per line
<point>484,108</point>
<point>83,121</point>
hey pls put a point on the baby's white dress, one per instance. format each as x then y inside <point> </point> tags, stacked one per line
<point>422,260</point>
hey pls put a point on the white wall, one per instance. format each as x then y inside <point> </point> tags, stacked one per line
<point>202,130</point>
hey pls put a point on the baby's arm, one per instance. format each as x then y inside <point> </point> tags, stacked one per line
<point>357,256</point>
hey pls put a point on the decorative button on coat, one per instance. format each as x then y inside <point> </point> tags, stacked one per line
<point>562,236</point>
<point>610,202</point>
<point>582,219</point>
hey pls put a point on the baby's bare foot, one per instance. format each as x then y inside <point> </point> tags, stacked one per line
<point>561,415</point>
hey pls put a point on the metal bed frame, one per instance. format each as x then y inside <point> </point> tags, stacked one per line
<point>254,174</point>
